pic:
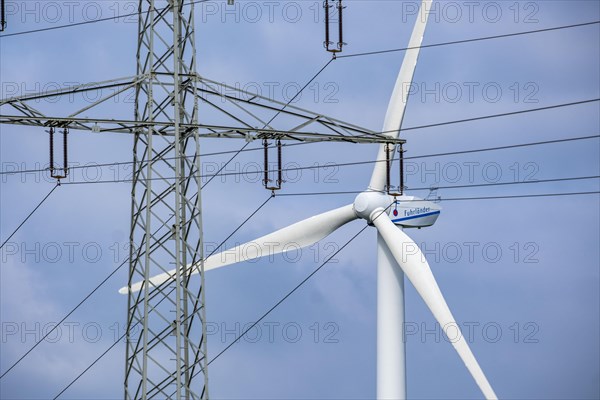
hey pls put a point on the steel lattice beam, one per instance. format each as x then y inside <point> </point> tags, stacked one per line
<point>243,110</point>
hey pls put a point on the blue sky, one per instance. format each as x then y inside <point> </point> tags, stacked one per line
<point>523,273</point>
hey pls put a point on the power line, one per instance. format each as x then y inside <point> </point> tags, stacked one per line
<point>470,40</point>
<point>347,164</point>
<point>463,198</point>
<point>243,149</point>
<point>116,17</point>
<point>30,214</point>
<point>486,149</point>
<point>310,167</point>
<point>521,196</point>
<point>51,28</point>
<point>329,165</point>
<point>460,121</point>
<point>577,178</point>
<point>89,367</point>
<point>512,146</point>
<point>300,91</point>
<point>118,163</point>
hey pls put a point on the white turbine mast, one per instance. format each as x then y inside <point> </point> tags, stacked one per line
<point>393,263</point>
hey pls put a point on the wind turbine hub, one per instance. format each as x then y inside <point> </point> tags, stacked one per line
<point>366,203</point>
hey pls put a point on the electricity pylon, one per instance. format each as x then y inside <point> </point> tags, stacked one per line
<point>164,354</point>
<point>166,350</point>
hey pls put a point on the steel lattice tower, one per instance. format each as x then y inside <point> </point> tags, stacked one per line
<point>166,340</point>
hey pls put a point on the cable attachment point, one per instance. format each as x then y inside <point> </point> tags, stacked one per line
<point>266,179</point>
<point>53,169</point>
<point>389,157</point>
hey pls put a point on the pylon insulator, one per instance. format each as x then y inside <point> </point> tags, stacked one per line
<point>389,149</point>
<point>266,179</point>
<point>65,168</point>
<point>329,45</point>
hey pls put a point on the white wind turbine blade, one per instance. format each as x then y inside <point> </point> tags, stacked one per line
<point>417,270</point>
<point>298,235</point>
<point>397,104</point>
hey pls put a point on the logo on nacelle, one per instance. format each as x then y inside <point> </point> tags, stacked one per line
<point>413,212</point>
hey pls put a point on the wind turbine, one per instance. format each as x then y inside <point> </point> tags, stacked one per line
<point>393,261</point>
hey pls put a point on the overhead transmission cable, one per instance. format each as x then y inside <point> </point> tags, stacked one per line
<point>517,196</point>
<point>236,152</point>
<point>453,42</point>
<point>447,198</point>
<point>89,366</point>
<point>465,120</point>
<point>475,185</point>
<point>510,146</point>
<point>485,149</point>
<point>506,114</point>
<point>522,196</point>
<point>30,214</point>
<point>300,168</point>
<point>93,21</point>
<point>478,39</point>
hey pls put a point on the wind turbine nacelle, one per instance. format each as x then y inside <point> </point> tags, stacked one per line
<point>413,212</point>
